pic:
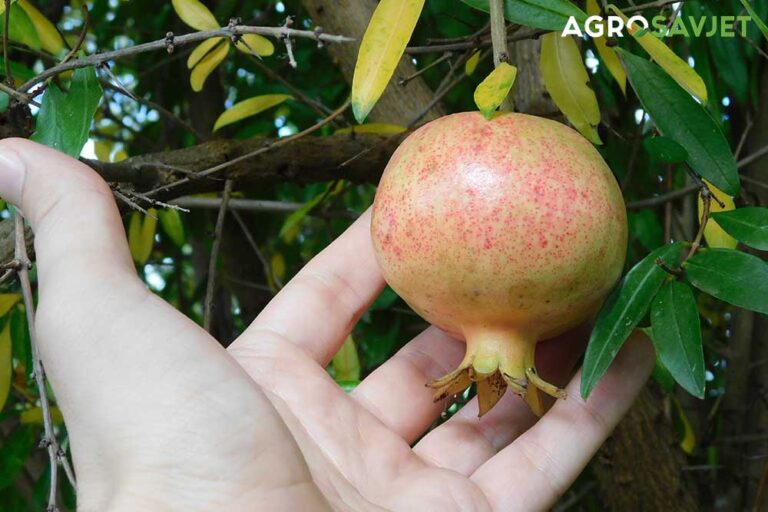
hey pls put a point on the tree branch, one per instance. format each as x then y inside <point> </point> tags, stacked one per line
<point>98,59</point>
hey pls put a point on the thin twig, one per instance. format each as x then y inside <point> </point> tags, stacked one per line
<point>743,137</point>
<point>473,43</point>
<point>706,199</point>
<point>252,242</point>
<point>258,205</point>
<point>441,59</point>
<point>751,158</point>
<point>49,441</point>
<point>81,39</point>
<point>286,39</point>
<point>18,96</point>
<point>98,59</point>
<point>217,236</point>
<point>229,163</point>
<point>498,32</point>
<point>661,199</point>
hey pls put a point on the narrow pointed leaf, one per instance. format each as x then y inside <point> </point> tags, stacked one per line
<point>624,309</point>
<point>608,54</point>
<point>544,14</point>
<point>248,108</point>
<point>677,335</point>
<point>760,23</point>
<point>748,225</point>
<point>202,50</point>
<point>678,116</point>
<point>206,66</point>
<point>256,45</point>
<point>373,128</point>
<point>382,47</point>
<point>170,221</point>
<point>195,14</point>
<point>731,276</point>
<point>715,236</point>
<point>676,67</point>
<point>567,82</point>
<point>50,38</point>
<point>141,235</point>
<point>666,149</point>
<point>492,91</point>
<point>471,65</point>
<point>65,117</point>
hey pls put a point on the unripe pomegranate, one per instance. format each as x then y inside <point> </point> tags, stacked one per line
<point>503,233</point>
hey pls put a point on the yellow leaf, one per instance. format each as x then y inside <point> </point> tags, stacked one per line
<point>715,236</point>
<point>34,416</point>
<point>383,44</point>
<point>6,364</point>
<point>207,65</point>
<point>346,363</point>
<point>171,222</point>
<point>195,14</point>
<point>688,441</point>
<point>471,65</point>
<point>21,28</point>
<point>277,265</point>
<point>610,59</point>
<point>103,149</point>
<point>50,38</point>
<point>567,82</point>
<point>141,235</point>
<point>7,301</point>
<point>119,155</point>
<point>494,89</point>
<point>201,51</point>
<point>248,108</point>
<point>256,45</point>
<point>374,128</point>
<point>675,67</point>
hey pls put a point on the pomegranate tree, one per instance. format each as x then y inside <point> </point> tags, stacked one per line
<point>502,233</point>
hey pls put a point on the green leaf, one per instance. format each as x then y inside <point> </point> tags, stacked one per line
<point>747,225</point>
<point>678,116</point>
<point>660,373</point>
<point>20,28</point>
<point>621,313</point>
<point>760,23</point>
<point>297,216</point>
<point>65,118</point>
<point>677,335</point>
<point>731,276</point>
<point>4,100</point>
<point>544,14</point>
<point>666,149</point>
<point>170,220</point>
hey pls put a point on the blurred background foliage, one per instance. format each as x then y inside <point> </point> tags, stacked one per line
<point>261,250</point>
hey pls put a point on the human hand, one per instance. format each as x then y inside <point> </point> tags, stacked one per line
<point>160,417</point>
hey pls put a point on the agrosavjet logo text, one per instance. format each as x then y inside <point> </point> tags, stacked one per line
<point>688,26</point>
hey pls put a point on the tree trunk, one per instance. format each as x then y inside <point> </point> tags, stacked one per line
<point>638,468</point>
<point>398,104</point>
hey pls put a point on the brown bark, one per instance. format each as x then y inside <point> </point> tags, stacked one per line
<point>638,468</point>
<point>398,104</point>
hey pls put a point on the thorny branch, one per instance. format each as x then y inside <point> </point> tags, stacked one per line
<point>55,454</point>
<point>99,59</point>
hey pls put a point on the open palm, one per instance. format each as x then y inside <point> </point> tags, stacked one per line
<point>161,417</point>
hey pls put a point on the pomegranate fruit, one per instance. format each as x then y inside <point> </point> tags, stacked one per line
<point>503,233</point>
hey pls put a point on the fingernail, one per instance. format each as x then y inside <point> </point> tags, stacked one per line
<point>11,175</point>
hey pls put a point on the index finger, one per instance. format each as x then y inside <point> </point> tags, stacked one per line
<point>319,307</point>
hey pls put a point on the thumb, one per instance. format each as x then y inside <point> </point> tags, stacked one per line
<point>71,210</point>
